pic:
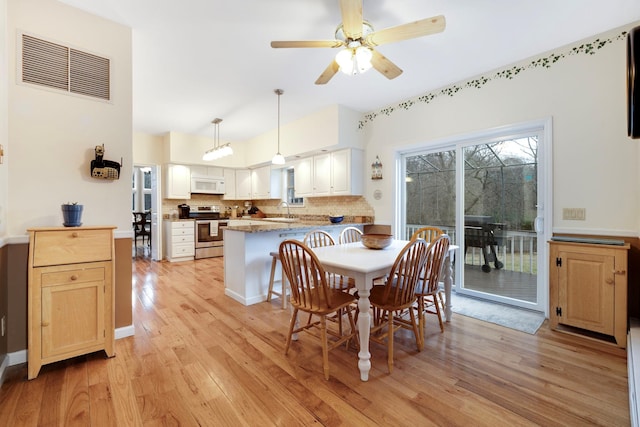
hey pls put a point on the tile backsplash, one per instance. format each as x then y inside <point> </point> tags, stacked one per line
<point>354,208</point>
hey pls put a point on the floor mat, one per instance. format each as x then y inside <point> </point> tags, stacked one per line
<point>512,317</point>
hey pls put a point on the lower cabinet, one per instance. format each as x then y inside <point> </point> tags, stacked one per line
<point>70,295</point>
<point>588,288</point>
<point>179,240</point>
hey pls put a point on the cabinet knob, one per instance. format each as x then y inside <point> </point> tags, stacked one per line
<point>45,324</point>
<point>620,272</point>
<point>610,281</point>
<point>74,277</point>
<point>74,234</point>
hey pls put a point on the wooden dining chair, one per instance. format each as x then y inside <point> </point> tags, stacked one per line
<point>141,221</point>
<point>311,293</point>
<point>428,294</point>
<point>398,295</point>
<point>428,234</point>
<point>350,235</point>
<point>318,238</point>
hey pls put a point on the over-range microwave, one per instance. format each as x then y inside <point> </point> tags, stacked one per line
<point>206,184</point>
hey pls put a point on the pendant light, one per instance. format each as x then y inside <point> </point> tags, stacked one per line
<point>217,151</point>
<point>278,159</point>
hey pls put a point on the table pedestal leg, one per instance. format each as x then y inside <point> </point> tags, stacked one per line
<point>448,281</point>
<point>364,325</point>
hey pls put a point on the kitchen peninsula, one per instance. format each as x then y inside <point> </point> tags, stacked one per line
<point>247,244</point>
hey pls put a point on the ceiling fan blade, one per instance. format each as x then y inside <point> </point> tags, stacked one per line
<point>351,11</point>
<point>307,43</point>
<point>384,66</point>
<point>410,30</point>
<point>328,73</point>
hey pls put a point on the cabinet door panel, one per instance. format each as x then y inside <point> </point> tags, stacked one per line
<point>322,175</point>
<point>587,291</point>
<point>72,318</point>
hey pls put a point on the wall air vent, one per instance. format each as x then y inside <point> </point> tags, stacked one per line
<point>60,67</point>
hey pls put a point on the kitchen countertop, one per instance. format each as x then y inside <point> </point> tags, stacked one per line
<point>258,226</point>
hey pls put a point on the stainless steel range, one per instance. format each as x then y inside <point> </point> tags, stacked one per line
<point>209,228</point>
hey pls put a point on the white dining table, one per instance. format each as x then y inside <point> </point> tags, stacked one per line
<point>363,265</point>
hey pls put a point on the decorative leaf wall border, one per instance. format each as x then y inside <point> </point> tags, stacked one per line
<point>508,73</point>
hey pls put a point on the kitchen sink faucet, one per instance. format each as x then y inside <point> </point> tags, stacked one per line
<point>283,203</point>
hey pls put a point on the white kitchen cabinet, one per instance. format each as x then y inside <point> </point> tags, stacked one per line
<point>207,171</point>
<point>243,184</point>
<point>266,183</point>
<point>177,183</point>
<point>229,184</point>
<point>322,175</point>
<point>179,240</point>
<point>303,177</point>
<point>332,174</point>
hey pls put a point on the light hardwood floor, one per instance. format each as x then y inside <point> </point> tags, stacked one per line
<point>199,358</point>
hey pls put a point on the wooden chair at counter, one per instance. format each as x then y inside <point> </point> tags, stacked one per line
<point>350,235</point>
<point>275,258</point>
<point>140,222</point>
<point>311,293</point>
<point>398,295</point>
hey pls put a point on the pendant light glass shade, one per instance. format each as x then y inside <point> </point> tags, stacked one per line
<point>278,159</point>
<point>217,151</point>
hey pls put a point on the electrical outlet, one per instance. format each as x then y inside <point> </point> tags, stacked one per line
<point>574,214</point>
<point>3,323</point>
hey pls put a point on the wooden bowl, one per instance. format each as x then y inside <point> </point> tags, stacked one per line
<point>376,241</point>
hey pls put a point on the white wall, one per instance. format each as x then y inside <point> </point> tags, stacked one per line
<point>52,135</point>
<point>595,164</point>
<point>4,136</point>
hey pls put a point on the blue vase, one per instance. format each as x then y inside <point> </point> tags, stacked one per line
<point>72,215</point>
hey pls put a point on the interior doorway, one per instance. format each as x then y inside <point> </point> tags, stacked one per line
<point>145,203</point>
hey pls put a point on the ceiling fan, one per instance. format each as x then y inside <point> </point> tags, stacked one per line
<point>359,39</point>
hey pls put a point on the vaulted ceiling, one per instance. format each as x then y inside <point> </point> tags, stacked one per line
<point>196,60</point>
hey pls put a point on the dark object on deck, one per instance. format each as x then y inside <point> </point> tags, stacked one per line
<point>480,231</point>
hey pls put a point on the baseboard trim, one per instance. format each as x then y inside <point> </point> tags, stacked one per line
<point>3,368</point>
<point>17,357</point>
<point>125,331</point>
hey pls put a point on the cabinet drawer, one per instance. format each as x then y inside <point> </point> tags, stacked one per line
<point>51,278</point>
<point>176,225</point>
<point>183,239</point>
<point>71,246</point>
<point>180,249</point>
<point>182,232</point>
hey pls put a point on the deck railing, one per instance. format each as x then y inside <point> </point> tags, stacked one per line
<point>517,252</point>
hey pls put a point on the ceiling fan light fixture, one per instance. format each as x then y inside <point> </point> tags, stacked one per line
<point>344,58</point>
<point>363,57</point>
<point>217,151</point>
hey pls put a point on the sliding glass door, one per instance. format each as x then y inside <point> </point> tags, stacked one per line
<point>484,192</point>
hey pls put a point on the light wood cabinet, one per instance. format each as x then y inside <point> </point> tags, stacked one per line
<point>588,288</point>
<point>70,294</point>
<point>179,240</point>
<point>177,182</point>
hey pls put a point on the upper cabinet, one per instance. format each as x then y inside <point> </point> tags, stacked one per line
<point>177,183</point>
<point>243,184</point>
<point>332,174</point>
<point>229,184</point>
<point>207,171</point>
<point>266,183</point>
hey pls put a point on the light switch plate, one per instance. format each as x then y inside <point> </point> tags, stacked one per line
<point>574,214</point>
